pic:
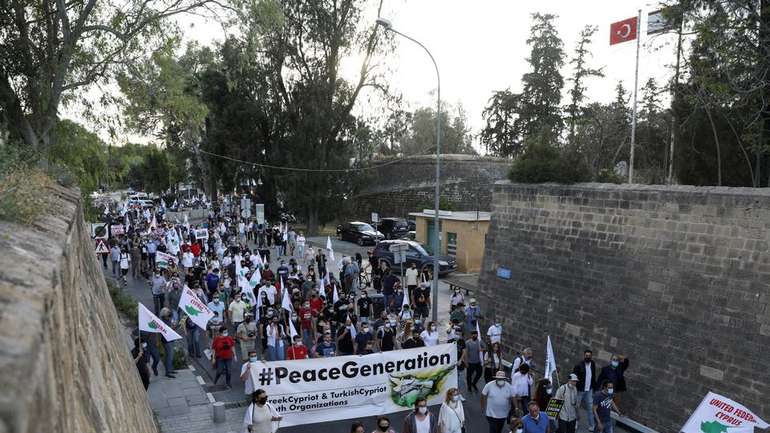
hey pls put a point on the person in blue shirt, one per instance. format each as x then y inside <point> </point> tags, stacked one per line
<point>534,421</point>
<point>603,406</point>
<point>472,313</point>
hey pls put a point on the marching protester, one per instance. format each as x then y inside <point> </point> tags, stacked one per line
<point>568,415</point>
<point>451,417</point>
<point>383,425</point>
<point>535,421</point>
<point>521,381</point>
<point>497,399</point>
<point>421,420</point>
<point>615,374</point>
<point>471,359</point>
<point>493,362</point>
<point>141,360</point>
<point>586,385</point>
<point>260,415</point>
<point>603,406</point>
<point>224,354</point>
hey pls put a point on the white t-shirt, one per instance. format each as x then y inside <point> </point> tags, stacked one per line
<point>498,399</point>
<point>124,259</point>
<point>411,277</point>
<point>494,332</point>
<point>236,311</point>
<point>300,240</point>
<point>521,384</point>
<point>187,259</point>
<point>424,425</point>
<point>588,377</point>
<point>430,339</point>
<point>271,291</point>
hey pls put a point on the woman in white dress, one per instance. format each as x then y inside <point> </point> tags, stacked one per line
<point>451,417</point>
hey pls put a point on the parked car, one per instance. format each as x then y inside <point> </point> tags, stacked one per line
<point>393,228</point>
<point>415,254</point>
<point>358,232</point>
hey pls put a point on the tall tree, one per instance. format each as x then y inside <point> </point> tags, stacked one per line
<point>580,74</point>
<point>50,50</point>
<point>500,135</point>
<point>455,134</point>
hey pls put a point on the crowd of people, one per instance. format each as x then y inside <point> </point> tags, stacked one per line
<point>247,272</point>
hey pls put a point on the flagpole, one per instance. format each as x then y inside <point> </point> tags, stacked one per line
<point>674,120</point>
<point>636,90</point>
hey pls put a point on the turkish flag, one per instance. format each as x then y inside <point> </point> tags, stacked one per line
<point>623,31</point>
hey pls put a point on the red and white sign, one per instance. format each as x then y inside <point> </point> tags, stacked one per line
<point>117,230</point>
<point>623,31</point>
<point>101,247</point>
<point>717,413</point>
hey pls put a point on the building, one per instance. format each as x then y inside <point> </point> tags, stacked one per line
<point>462,235</point>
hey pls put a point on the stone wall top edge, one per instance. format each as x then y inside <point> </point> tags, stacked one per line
<point>444,157</point>
<point>506,185</point>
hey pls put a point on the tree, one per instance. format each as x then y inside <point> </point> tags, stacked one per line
<point>50,50</point>
<point>83,153</point>
<point>455,134</point>
<point>580,74</point>
<point>500,135</point>
<point>544,162</point>
<point>652,135</point>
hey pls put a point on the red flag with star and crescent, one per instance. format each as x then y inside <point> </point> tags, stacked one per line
<point>623,31</point>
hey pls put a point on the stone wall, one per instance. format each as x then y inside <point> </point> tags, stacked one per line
<point>65,362</point>
<point>395,189</point>
<point>676,278</point>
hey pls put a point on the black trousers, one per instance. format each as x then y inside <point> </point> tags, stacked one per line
<point>472,375</point>
<point>567,426</point>
<point>496,424</point>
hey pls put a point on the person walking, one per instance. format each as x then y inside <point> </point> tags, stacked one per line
<point>534,421</point>
<point>586,385</point>
<point>260,415</point>
<point>115,259</point>
<point>124,262</point>
<point>192,334</point>
<point>615,373</point>
<point>603,406</point>
<point>383,425</point>
<point>522,383</point>
<point>568,415</point>
<point>141,360</point>
<point>471,358</point>
<point>451,416</point>
<point>497,399</point>
<point>493,362</point>
<point>224,353</point>
<point>357,427</point>
<point>158,285</point>
<point>421,420</point>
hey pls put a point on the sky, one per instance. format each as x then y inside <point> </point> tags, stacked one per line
<point>480,47</point>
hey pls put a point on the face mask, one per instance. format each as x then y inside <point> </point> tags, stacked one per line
<point>549,390</point>
<point>500,382</point>
<point>432,328</point>
<point>262,400</point>
<point>144,345</point>
<point>456,397</point>
<point>518,430</point>
<point>610,391</point>
<point>252,359</point>
<point>384,427</point>
<point>422,410</point>
<point>615,363</point>
<point>224,334</point>
<point>392,323</point>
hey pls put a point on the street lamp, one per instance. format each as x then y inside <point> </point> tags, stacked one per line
<point>388,26</point>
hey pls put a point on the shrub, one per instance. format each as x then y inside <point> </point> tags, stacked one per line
<point>24,194</point>
<point>125,304</point>
<point>608,175</point>
<point>545,163</point>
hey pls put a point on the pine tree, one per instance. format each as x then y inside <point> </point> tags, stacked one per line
<point>582,72</point>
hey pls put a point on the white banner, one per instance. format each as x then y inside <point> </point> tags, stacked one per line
<point>149,322</point>
<point>163,260</point>
<point>196,310</point>
<point>718,414</point>
<point>316,390</point>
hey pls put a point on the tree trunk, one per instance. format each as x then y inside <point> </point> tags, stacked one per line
<point>312,221</point>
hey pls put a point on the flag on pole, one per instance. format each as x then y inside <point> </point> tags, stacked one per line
<point>292,329</point>
<point>256,310</point>
<point>196,310</point>
<point>154,222</point>
<point>718,414</point>
<point>149,322</point>
<point>550,360</point>
<point>623,31</point>
<point>329,248</point>
<point>285,299</point>
<point>478,331</point>
<point>256,277</point>
<point>335,295</point>
<point>352,328</point>
<point>657,23</point>
<point>186,222</point>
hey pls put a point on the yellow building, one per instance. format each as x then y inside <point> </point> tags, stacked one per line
<point>462,234</point>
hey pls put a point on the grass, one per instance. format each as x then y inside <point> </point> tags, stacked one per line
<point>125,304</point>
<point>23,195</point>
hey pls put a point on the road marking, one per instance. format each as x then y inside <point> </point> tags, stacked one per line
<point>191,367</point>
<point>200,380</point>
<point>211,398</point>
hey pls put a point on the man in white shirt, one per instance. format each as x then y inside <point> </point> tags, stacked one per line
<point>495,333</point>
<point>411,275</point>
<point>497,399</point>
<point>269,290</point>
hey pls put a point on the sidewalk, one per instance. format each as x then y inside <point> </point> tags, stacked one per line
<point>182,406</point>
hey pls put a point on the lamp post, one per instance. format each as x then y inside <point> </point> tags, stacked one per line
<point>436,232</point>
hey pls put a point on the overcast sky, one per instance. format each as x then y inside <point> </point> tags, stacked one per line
<point>480,46</point>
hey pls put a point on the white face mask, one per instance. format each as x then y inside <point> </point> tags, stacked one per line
<point>500,382</point>
<point>423,410</point>
<point>456,397</point>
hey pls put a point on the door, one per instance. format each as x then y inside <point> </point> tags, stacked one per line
<point>451,244</point>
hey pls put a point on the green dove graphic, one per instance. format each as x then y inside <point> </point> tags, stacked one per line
<point>190,310</point>
<point>406,389</point>
<point>713,427</point>
<point>152,325</point>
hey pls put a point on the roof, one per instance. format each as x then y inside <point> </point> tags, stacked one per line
<point>454,215</point>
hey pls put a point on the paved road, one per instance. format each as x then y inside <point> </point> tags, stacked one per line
<point>475,421</point>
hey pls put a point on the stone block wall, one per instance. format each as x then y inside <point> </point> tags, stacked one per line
<point>65,360</point>
<point>675,278</point>
<point>395,189</point>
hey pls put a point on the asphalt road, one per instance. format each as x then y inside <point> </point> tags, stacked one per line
<point>476,422</point>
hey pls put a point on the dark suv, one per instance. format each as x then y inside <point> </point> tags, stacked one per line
<point>416,254</point>
<point>393,228</point>
<point>358,232</point>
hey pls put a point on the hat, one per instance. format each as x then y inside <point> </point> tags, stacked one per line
<point>500,375</point>
<point>573,376</point>
<point>473,300</point>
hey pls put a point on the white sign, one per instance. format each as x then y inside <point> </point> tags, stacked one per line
<point>398,248</point>
<point>341,387</point>
<point>260,213</point>
<point>375,217</point>
<point>101,247</point>
<point>718,414</point>
<point>117,229</point>
<point>196,310</point>
<point>201,234</point>
<point>163,260</point>
<point>149,322</point>
<point>99,230</point>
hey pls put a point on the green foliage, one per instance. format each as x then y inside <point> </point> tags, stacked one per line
<point>180,358</point>
<point>455,134</point>
<point>607,175</point>
<point>500,136</point>
<point>24,195</point>
<point>124,303</point>
<point>83,154</point>
<point>580,74</point>
<point>545,163</point>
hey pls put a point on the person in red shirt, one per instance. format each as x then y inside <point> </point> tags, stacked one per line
<point>306,326</point>
<point>195,249</point>
<point>224,352</point>
<point>316,304</point>
<point>268,275</point>
<point>297,350</point>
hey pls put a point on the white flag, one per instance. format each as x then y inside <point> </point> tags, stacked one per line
<point>292,329</point>
<point>406,302</point>
<point>186,222</point>
<point>352,328</point>
<point>256,277</point>
<point>329,248</point>
<point>285,299</point>
<point>149,322</point>
<point>154,222</point>
<point>720,414</point>
<point>335,295</point>
<point>195,309</point>
<point>163,260</point>
<point>478,331</point>
<point>550,361</point>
